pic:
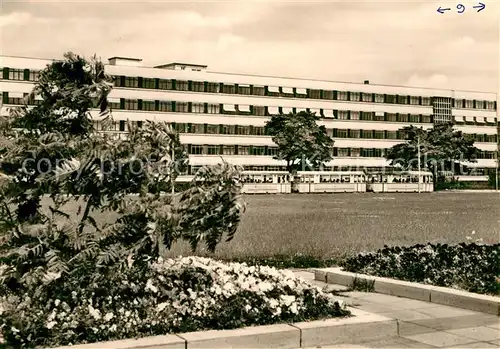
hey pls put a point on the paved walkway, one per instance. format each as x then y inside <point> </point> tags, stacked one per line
<point>421,324</point>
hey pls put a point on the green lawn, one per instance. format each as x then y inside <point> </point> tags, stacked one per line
<point>330,226</point>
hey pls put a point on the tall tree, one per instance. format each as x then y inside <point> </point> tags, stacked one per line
<point>300,140</point>
<point>55,161</point>
<point>441,148</point>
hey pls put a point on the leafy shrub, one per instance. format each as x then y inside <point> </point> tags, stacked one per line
<point>166,296</point>
<point>471,267</point>
<point>53,151</point>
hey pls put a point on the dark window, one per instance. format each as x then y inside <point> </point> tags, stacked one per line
<point>259,110</point>
<point>228,150</point>
<point>229,89</point>
<point>197,128</point>
<point>197,108</point>
<point>198,86</point>
<point>314,94</point>
<point>181,85</point>
<point>213,108</point>
<point>243,150</point>
<point>148,105</point>
<point>244,90</point>
<point>243,130</point>
<point>259,90</point>
<point>131,104</point>
<point>213,87</point>
<point>196,149</point>
<point>228,129</point>
<point>16,74</point>
<point>402,100</point>
<point>327,94</point>
<point>148,83</point>
<point>272,151</point>
<point>258,150</point>
<point>258,131</point>
<point>165,84</point>
<point>131,82</point>
<point>181,107</point>
<point>213,129</point>
<point>366,97</point>
<point>34,75</point>
<point>165,106</point>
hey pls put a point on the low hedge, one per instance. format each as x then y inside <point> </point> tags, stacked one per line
<point>168,296</point>
<point>468,266</point>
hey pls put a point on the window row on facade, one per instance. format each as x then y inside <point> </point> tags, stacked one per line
<point>255,90</point>
<point>220,129</point>
<point>257,150</point>
<point>231,109</point>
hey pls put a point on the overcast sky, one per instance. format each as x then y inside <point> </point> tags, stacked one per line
<point>390,42</point>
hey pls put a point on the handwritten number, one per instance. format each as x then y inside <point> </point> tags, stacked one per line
<point>461,8</point>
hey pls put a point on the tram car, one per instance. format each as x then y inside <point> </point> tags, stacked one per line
<point>257,182</point>
<point>272,182</point>
<point>400,182</point>
<point>330,182</point>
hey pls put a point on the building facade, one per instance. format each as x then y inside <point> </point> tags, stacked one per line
<point>223,115</point>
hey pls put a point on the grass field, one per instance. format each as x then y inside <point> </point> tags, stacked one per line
<point>330,226</point>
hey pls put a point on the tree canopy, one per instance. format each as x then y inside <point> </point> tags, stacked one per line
<point>300,140</point>
<point>441,148</point>
<point>59,176</point>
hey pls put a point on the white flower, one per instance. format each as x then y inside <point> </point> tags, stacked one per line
<point>57,302</point>
<point>287,300</point>
<point>13,329</point>
<point>161,306</point>
<point>96,314</point>
<point>108,316</point>
<point>50,324</point>
<point>150,286</point>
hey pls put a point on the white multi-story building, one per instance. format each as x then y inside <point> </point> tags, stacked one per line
<point>224,114</point>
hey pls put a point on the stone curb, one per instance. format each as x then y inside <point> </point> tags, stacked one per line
<point>362,327</point>
<point>435,294</point>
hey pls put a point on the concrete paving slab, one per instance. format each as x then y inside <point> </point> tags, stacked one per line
<point>444,311</point>
<point>406,315</point>
<point>440,339</point>
<point>410,304</point>
<point>442,324</point>
<point>357,294</point>
<point>480,333</point>
<point>381,298</point>
<point>397,343</point>
<point>409,329</point>
<point>376,308</point>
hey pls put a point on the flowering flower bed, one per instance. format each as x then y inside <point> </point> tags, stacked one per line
<point>169,296</point>
<point>470,267</point>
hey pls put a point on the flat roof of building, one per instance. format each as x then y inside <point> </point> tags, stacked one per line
<point>127,58</point>
<point>273,76</point>
<point>177,63</point>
